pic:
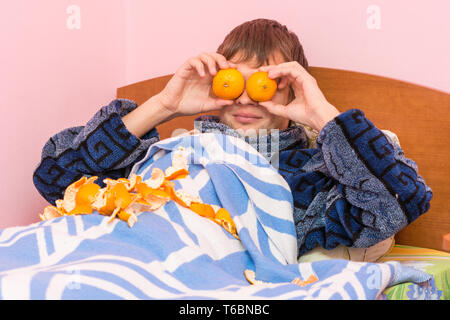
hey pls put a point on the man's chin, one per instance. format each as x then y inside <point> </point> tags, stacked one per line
<point>259,127</point>
<point>251,130</point>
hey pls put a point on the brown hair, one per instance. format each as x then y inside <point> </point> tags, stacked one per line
<point>260,38</point>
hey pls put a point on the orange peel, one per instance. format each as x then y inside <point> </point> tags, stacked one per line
<point>126,198</point>
<point>143,190</point>
<point>223,218</point>
<point>86,193</point>
<point>69,199</point>
<point>179,168</point>
<point>251,277</point>
<point>104,201</point>
<point>81,209</point>
<point>130,218</point>
<point>142,206</point>
<point>179,161</point>
<point>184,199</point>
<point>303,283</point>
<point>156,180</point>
<point>79,196</point>
<point>130,184</point>
<point>178,174</point>
<point>134,181</point>
<point>59,205</point>
<point>51,212</point>
<point>122,198</point>
<point>202,209</point>
<point>153,202</point>
<point>113,214</point>
<point>110,182</point>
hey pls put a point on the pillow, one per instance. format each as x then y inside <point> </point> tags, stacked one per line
<point>371,254</point>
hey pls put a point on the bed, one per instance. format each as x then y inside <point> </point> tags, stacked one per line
<point>88,257</point>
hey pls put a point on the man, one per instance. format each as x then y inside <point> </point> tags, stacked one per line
<point>356,188</point>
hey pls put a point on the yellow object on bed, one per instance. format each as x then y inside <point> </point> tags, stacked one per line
<point>408,253</point>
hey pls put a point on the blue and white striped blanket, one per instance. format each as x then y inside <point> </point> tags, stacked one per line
<point>173,253</point>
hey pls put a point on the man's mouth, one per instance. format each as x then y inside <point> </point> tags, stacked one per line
<point>246,117</point>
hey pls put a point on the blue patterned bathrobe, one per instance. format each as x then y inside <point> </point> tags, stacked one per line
<point>355,188</point>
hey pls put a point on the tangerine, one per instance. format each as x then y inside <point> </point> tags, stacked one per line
<point>228,84</point>
<point>260,87</point>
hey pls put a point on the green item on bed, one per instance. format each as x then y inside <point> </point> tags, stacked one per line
<point>434,262</point>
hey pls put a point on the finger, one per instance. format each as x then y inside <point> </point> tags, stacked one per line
<point>296,65</point>
<point>265,68</point>
<point>232,65</point>
<point>283,79</point>
<point>223,102</point>
<point>197,65</point>
<point>221,60</point>
<point>276,109</point>
<point>292,69</point>
<point>293,66</point>
<point>216,104</point>
<point>210,62</point>
<point>293,74</point>
<point>283,83</point>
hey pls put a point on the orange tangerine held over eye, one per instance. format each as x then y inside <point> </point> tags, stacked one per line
<point>228,84</point>
<point>260,87</point>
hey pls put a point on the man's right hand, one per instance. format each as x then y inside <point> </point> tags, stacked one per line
<point>189,90</point>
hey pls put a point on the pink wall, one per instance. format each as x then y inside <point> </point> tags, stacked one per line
<point>53,77</point>
<point>412,43</point>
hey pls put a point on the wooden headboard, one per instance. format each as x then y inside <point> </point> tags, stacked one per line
<point>419,116</point>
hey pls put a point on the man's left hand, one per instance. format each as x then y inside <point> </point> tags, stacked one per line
<point>310,107</point>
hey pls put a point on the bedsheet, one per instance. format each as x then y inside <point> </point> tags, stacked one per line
<point>173,253</point>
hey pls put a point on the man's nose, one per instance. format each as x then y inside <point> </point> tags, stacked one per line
<point>244,99</point>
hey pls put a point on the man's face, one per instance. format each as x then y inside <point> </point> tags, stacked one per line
<point>244,113</point>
